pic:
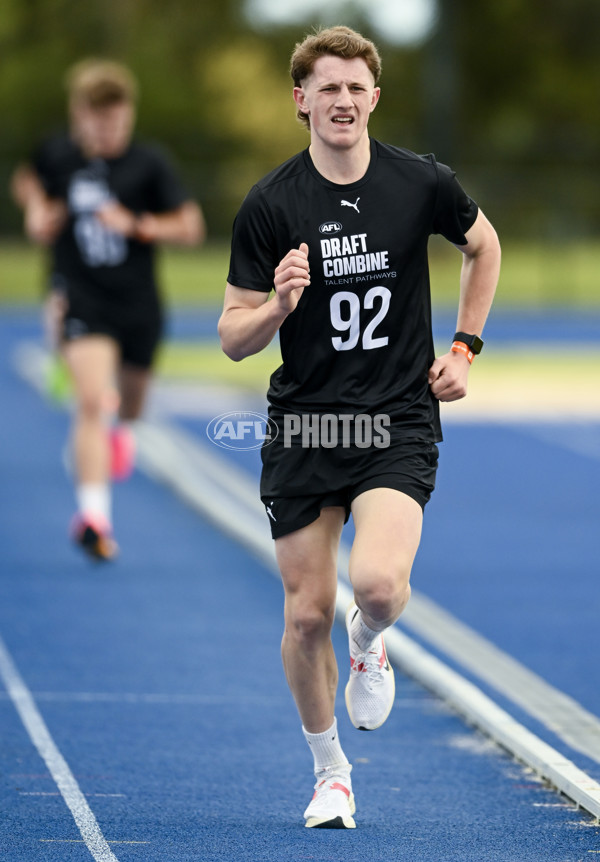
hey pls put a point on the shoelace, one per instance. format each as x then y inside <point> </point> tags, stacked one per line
<point>370,661</point>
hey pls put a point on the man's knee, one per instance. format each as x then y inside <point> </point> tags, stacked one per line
<point>382,594</point>
<point>91,406</point>
<point>309,622</point>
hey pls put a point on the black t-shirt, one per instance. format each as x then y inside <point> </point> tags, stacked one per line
<point>87,257</point>
<point>360,339</point>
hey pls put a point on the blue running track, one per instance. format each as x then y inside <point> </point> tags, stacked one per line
<point>160,683</point>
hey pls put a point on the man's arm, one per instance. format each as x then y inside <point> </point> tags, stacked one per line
<point>479,277</point>
<point>44,217</point>
<point>250,320</point>
<point>183,226</point>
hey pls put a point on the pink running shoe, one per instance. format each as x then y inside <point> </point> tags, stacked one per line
<point>122,453</point>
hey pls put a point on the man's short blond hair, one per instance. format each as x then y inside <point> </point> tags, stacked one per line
<point>337,41</point>
<point>98,83</point>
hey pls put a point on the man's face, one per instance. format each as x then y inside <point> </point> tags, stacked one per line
<point>103,132</point>
<point>338,95</point>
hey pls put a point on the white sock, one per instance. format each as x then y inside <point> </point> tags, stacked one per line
<point>361,634</point>
<point>94,498</point>
<point>326,747</point>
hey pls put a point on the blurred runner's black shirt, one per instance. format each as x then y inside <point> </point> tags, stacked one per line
<point>87,256</point>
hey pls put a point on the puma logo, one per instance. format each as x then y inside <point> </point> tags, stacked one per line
<point>354,205</point>
<point>270,510</point>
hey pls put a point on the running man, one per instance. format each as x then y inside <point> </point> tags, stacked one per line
<point>102,202</point>
<point>340,233</point>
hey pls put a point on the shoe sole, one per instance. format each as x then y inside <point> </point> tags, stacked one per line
<point>336,823</point>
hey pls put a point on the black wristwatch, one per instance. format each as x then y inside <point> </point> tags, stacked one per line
<point>473,342</point>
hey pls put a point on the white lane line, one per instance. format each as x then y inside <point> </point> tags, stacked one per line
<point>153,699</point>
<point>55,762</point>
<point>559,712</point>
<point>79,841</point>
<point>228,498</point>
<point>57,793</point>
<point>479,709</point>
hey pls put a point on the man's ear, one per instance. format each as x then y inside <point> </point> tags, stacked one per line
<point>375,99</point>
<point>300,100</point>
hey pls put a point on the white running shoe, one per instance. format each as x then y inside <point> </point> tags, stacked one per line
<point>332,805</point>
<point>371,687</point>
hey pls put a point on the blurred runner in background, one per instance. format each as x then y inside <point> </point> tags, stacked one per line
<point>102,201</point>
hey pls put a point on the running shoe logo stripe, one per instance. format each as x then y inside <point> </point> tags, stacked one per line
<point>335,786</point>
<point>360,666</point>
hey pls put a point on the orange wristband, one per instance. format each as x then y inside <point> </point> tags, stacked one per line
<point>460,347</point>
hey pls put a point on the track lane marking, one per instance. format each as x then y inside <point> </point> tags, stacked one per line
<point>559,712</point>
<point>58,767</point>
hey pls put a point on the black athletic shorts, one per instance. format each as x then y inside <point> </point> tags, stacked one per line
<point>297,482</point>
<point>137,329</point>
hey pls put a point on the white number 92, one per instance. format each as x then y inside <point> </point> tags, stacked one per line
<point>344,308</point>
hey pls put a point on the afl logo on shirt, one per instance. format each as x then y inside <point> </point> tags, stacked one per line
<point>329,227</point>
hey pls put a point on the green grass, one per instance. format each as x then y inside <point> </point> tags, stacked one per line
<point>533,274</point>
<point>188,276</point>
<point>22,270</point>
<point>559,366</point>
<point>206,362</point>
<point>547,381</point>
<point>194,277</point>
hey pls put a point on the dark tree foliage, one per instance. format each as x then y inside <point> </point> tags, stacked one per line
<point>505,91</point>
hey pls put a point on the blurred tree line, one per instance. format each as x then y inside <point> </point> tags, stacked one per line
<point>505,91</point>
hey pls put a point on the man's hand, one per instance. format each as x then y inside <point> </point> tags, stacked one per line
<point>44,219</point>
<point>114,216</point>
<point>448,377</point>
<point>291,277</point>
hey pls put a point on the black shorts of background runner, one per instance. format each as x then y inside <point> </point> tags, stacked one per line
<point>298,482</point>
<point>136,329</point>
